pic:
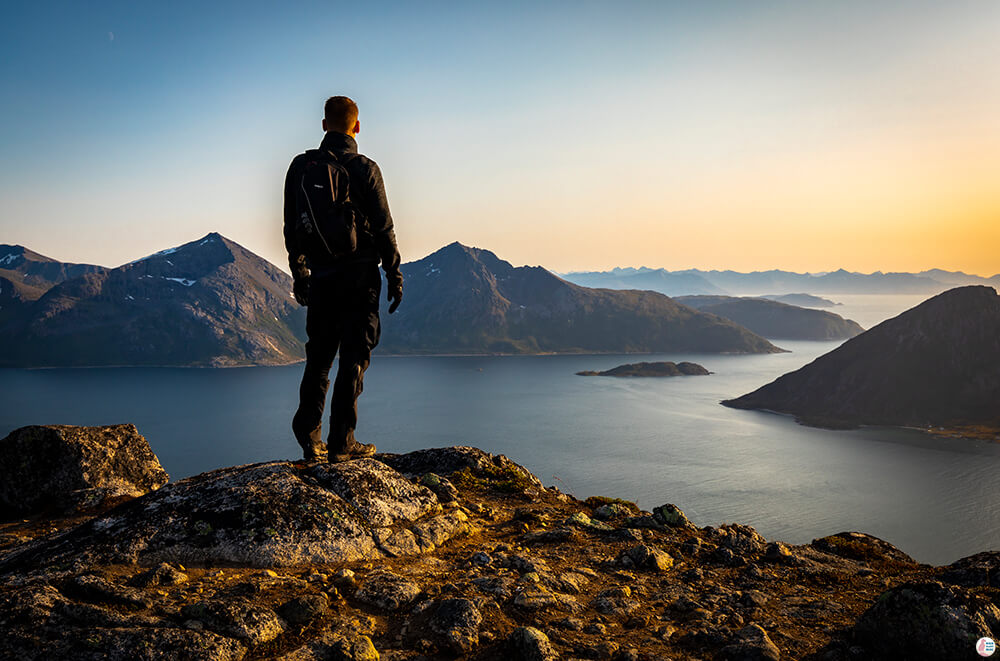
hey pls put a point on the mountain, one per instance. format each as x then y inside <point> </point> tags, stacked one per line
<point>467,300</point>
<point>934,364</point>
<point>959,278</point>
<point>776,320</point>
<point>207,302</point>
<point>802,300</point>
<point>25,276</point>
<point>695,281</point>
<point>35,274</point>
<point>665,282</point>
<point>837,282</point>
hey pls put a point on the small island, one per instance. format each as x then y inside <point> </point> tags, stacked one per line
<point>652,369</point>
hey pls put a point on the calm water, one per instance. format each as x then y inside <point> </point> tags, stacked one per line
<point>650,440</point>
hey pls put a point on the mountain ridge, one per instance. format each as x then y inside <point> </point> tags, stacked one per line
<point>779,282</point>
<point>208,302</point>
<point>776,320</point>
<point>212,302</point>
<point>932,365</point>
<point>461,299</point>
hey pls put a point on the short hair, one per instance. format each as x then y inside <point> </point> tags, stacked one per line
<point>341,113</point>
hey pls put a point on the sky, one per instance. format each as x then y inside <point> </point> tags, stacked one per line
<point>749,135</point>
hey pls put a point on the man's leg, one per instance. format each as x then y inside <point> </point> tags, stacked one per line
<point>360,335</point>
<point>320,351</point>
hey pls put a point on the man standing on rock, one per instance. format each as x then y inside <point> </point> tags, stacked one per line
<point>337,230</point>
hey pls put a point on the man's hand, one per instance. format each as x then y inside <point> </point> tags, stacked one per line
<point>394,295</point>
<point>300,289</point>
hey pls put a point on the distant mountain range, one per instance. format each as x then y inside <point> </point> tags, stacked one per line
<point>671,283</point>
<point>933,365</point>
<point>776,320</point>
<point>802,300</point>
<point>775,282</point>
<point>466,300</point>
<point>209,302</point>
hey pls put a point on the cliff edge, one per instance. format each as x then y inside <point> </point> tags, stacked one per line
<point>456,553</point>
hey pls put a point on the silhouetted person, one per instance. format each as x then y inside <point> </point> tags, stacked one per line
<point>336,234</point>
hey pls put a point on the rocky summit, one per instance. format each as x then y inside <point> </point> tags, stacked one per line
<point>456,553</point>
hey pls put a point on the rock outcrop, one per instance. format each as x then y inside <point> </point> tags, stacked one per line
<point>373,559</point>
<point>277,514</point>
<point>928,620</point>
<point>66,467</point>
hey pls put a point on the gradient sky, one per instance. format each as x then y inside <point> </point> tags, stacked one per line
<point>806,136</point>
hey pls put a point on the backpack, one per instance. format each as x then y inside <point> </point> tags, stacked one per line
<point>328,222</point>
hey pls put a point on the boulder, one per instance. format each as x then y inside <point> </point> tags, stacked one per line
<point>131,644</point>
<point>530,644</point>
<point>460,459</point>
<point>862,546</point>
<point>778,552</point>
<point>387,591</point>
<point>979,570</point>
<point>751,643</point>
<point>741,539</point>
<point>650,557</point>
<point>457,621</point>
<point>304,610</point>
<point>236,618</point>
<point>612,510</point>
<point>260,515</point>
<point>162,574</point>
<point>926,620</point>
<point>340,644</point>
<point>671,515</point>
<point>65,467</point>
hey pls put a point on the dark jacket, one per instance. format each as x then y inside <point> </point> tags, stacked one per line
<point>367,192</point>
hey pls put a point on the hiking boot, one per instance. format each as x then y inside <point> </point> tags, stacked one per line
<point>355,451</point>
<point>313,448</point>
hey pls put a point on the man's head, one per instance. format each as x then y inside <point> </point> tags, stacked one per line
<point>340,114</point>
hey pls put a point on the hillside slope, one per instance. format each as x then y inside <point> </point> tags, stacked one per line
<point>934,364</point>
<point>776,320</point>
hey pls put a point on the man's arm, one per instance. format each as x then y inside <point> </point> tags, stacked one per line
<point>380,226</point>
<point>296,259</point>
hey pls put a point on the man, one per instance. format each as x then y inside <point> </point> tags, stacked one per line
<point>342,291</point>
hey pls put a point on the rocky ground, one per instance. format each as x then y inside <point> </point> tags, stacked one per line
<point>455,553</point>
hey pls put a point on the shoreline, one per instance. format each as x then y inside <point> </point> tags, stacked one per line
<point>395,355</point>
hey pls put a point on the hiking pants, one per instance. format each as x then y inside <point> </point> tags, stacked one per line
<point>342,314</point>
